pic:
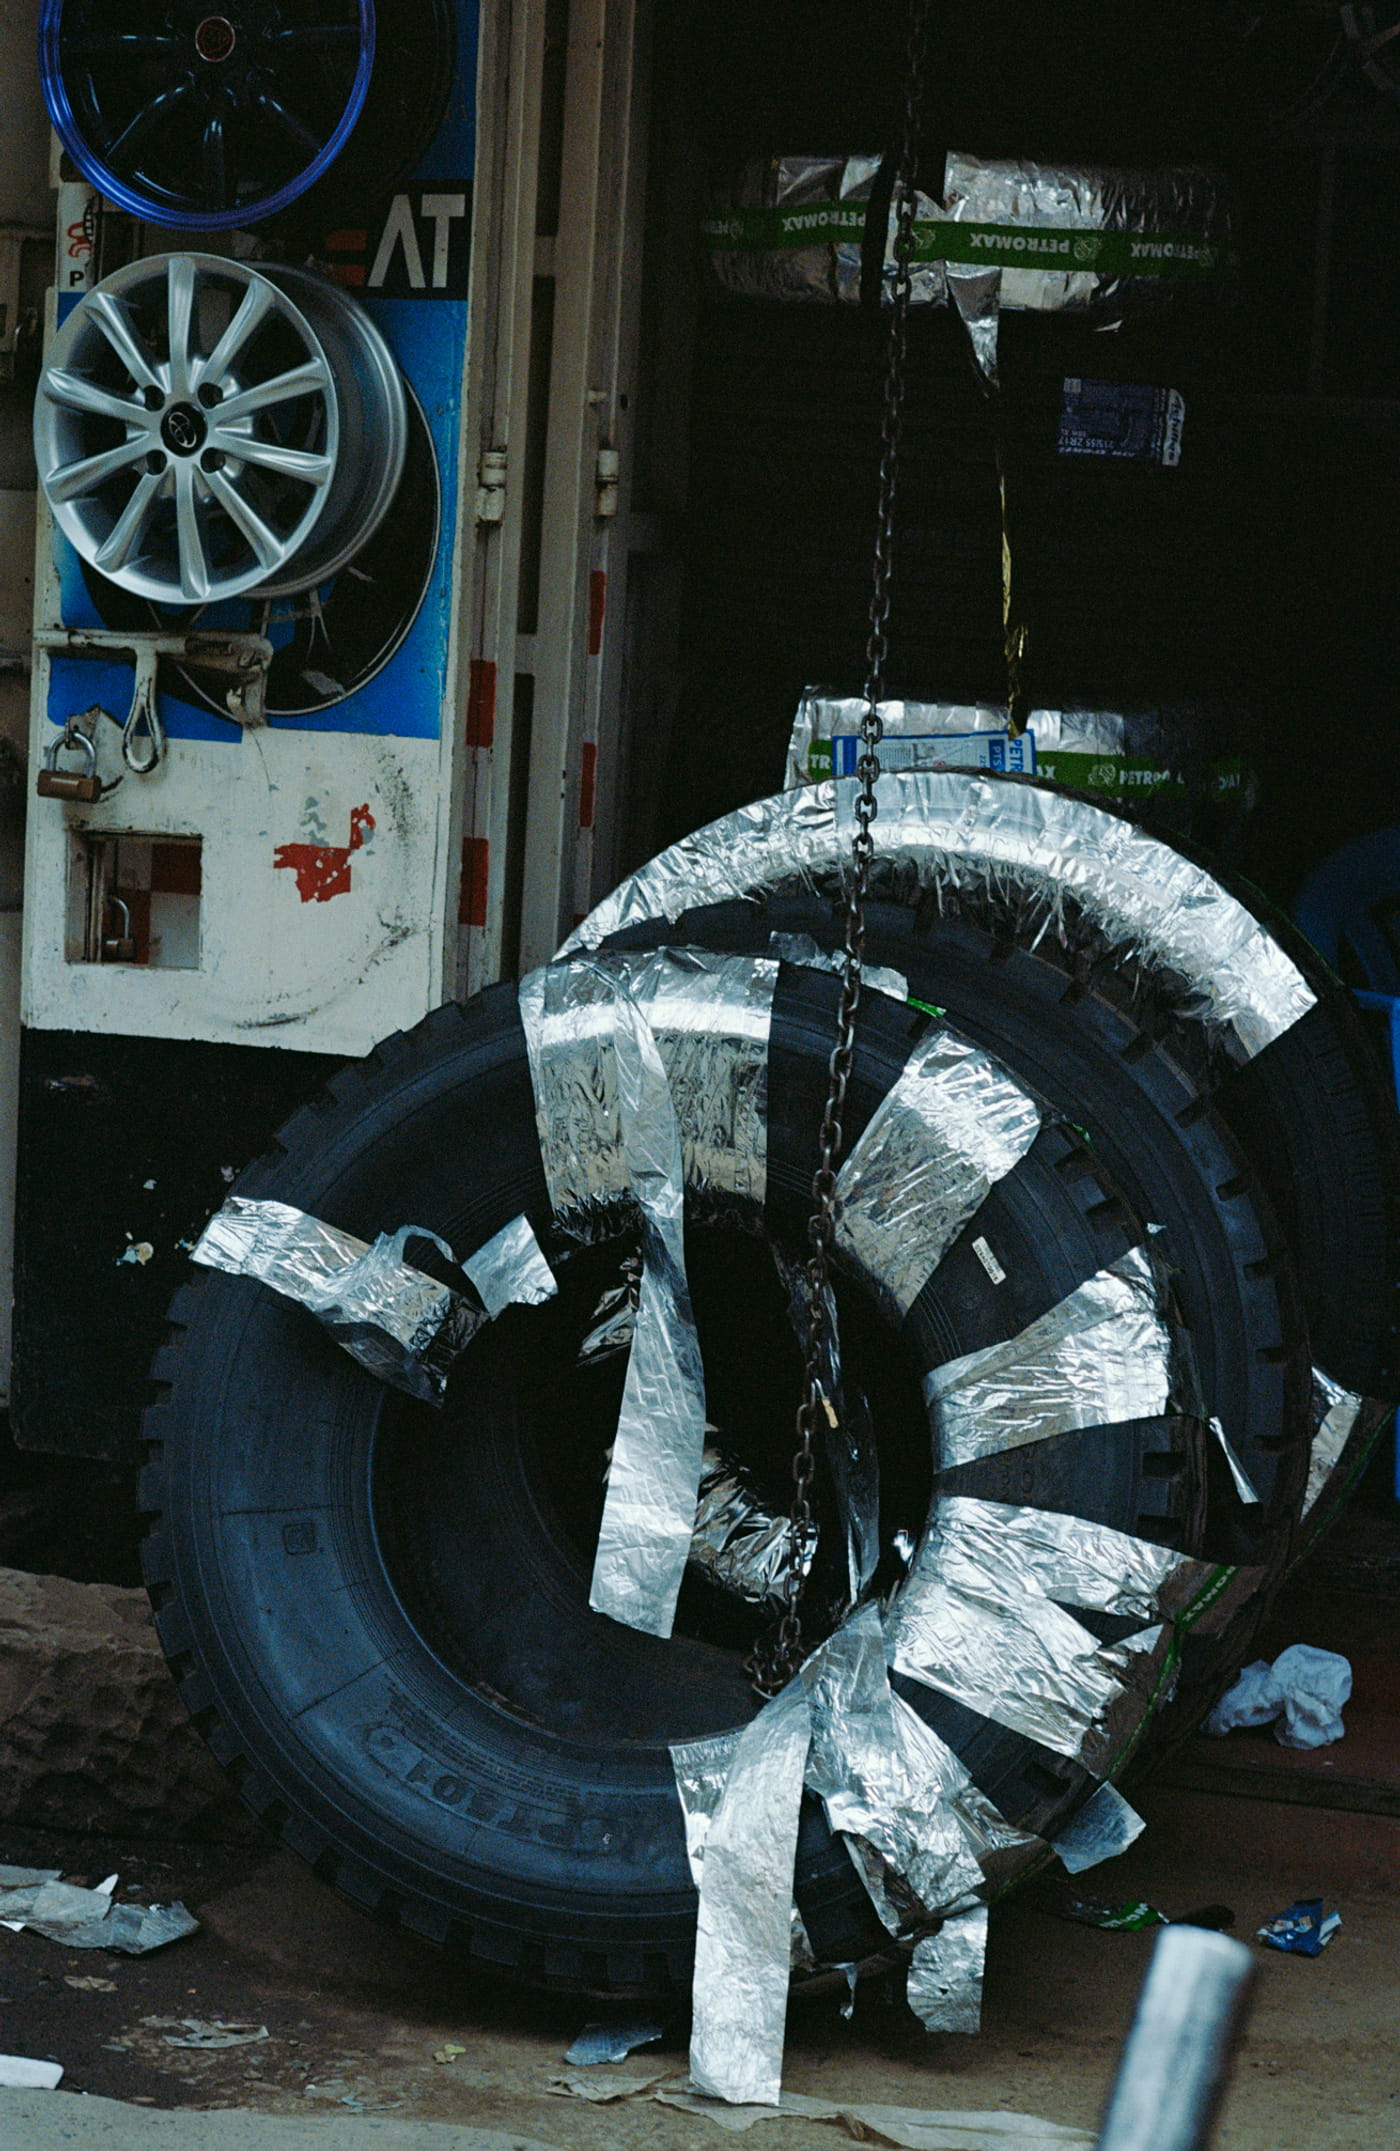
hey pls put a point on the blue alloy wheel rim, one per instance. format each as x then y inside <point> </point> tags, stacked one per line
<point>204,115</point>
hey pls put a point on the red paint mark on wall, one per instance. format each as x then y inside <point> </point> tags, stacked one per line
<point>323,870</point>
<point>597,609</point>
<point>481,703</point>
<point>476,859</point>
<point>587,784</point>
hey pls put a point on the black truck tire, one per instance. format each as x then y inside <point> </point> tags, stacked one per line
<point>378,1614</point>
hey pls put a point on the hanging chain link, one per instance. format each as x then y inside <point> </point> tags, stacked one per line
<point>777,1657</point>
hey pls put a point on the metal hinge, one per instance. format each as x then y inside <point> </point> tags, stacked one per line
<point>491,486</point>
<point>606,475</point>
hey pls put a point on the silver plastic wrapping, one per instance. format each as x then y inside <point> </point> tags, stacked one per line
<point>510,1270</point>
<point>960,836</point>
<point>982,1617</point>
<point>944,1982</point>
<point>399,1323</point>
<point>610,1110</point>
<point>802,949</point>
<point>1244,1485</point>
<point>974,735</point>
<point>738,1544</point>
<point>848,1437</point>
<point>951,1126</point>
<point>1337,1415</point>
<point>875,1784</point>
<point>1102,1356</point>
<point>1105,1826</point>
<point>712,1015</point>
<point>793,229</point>
<point>995,1551</point>
<point>1079,238</point>
<point>743,1933</point>
<point>702,1770</point>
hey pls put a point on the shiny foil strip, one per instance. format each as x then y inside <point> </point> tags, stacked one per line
<point>399,1323</point>
<point>944,1982</point>
<point>1105,1826</point>
<point>1026,1664</point>
<point>712,1015</point>
<point>874,1784</point>
<point>737,1544</point>
<point>1336,1416</point>
<point>609,1110</point>
<point>702,1770</point>
<point>801,949</point>
<point>951,1126</point>
<point>1102,1356</point>
<point>960,835</point>
<point>996,1552</point>
<point>743,1934</point>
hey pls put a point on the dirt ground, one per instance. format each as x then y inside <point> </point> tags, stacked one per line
<point>361,2024</point>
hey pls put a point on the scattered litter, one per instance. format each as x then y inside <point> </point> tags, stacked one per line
<point>88,1919</point>
<point>913,2128</point>
<point>19,2073</point>
<point>1132,1915</point>
<point>605,2090</point>
<point>89,1983</point>
<point>448,2052</point>
<point>613,2042</point>
<point>23,1878</point>
<point>1303,1930</point>
<point>1128,1918</point>
<point>139,1251</point>
<point>1304,1688</point>
<point>206,2034</point>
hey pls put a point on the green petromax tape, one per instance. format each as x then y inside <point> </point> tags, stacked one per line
<point>1205,1598</point>
<point>927,1007</point>
<point>1045,246</point>
<point>768,231</point>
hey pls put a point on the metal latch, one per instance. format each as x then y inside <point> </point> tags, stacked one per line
<point>245,658</point>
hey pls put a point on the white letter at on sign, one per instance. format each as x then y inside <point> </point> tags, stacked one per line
<point>442,208</point>
<point>399,228</point>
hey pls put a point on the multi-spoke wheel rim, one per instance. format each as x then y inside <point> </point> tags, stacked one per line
<point>199,433</point>
<point>204,114</point>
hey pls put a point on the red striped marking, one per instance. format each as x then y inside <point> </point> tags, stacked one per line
<point>597,609</point>
<point>471,907</point>
<point>481,702</point>
<point>587,784</point>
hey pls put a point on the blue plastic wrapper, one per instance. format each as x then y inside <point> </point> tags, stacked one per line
<point>1303,1929</point>
<point>1126,420</point>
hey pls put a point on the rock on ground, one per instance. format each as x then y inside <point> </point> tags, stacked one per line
<point>93,1734</point>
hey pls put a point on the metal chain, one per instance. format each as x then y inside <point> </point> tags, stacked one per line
<point>776,1658</point>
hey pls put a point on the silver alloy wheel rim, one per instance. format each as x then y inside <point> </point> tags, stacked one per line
<point>197,429</point>
<point>373,429</point>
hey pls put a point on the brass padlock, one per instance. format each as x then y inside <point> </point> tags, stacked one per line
<point>55,783</point>
<point>119,948</point>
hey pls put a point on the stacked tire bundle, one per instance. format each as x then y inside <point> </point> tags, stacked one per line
<point>380,1614</point>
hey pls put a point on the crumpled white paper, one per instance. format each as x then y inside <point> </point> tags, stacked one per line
<point>1304,1690</point>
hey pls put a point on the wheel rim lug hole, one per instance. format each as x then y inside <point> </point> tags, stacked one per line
<point>155,462</point>
<point>209,394</point>
<point>213,459</point>
<point>152,398</point>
